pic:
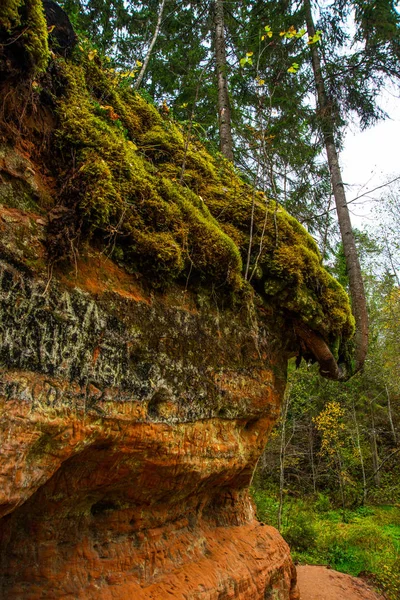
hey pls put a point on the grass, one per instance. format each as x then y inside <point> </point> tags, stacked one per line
<point>363,541</point>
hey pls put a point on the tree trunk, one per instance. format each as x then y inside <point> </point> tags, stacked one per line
<point>282,453</point>
<point>341,483</point>
<point>374,447</point>
<point>358,442</point>
<point>311,446</point>
<point>150,50</point>
<point>356,284</point>
<point>392,427</point>
<point>224,109</point>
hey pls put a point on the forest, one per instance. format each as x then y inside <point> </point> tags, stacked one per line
<point>273,87</point>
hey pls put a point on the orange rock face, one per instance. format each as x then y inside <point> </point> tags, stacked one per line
<point>130,426</point>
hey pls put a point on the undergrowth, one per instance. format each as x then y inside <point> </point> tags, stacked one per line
<point>363,541</point>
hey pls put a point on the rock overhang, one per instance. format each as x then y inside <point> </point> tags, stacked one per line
<point>141,372</point>
<point>134,181</point>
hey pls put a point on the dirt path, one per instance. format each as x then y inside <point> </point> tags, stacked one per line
<point>320,583</point>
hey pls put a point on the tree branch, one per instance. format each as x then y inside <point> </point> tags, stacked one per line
<point>328,366</point>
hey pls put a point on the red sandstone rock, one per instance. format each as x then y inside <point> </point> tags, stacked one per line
<point>130,426</point>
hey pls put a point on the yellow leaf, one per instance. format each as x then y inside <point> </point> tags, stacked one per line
<point>138,63</point>
<point>92,54</point>
<point>51,28</point>
<point>262,38</point>
<point>315,38</point>
<point>293,68</point>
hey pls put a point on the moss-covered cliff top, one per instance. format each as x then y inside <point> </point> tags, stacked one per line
<point>131,180</point>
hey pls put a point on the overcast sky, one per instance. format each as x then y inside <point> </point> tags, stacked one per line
<point>370,158</point>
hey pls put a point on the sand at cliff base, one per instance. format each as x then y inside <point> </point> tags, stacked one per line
<point>321,583</point>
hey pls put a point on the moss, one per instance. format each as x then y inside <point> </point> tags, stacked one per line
<point>127,188</point>
<point>35,36</point>
<point>9,14</point>
<point>27,16</point>
<point>161,226</point>
<point>158,252</point>
<point>100,201</point>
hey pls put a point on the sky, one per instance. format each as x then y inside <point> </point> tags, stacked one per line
<point>369,159</point>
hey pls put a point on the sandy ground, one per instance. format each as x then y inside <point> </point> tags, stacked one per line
<point>320,583</point>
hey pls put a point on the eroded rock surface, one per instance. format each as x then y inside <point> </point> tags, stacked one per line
<point>149,301</point>
<point>130,425</point>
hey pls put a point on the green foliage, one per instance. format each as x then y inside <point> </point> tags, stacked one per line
<point>322,504</point>
<point>301,534</point>
<point>267,505</point>
<point>367,542</point>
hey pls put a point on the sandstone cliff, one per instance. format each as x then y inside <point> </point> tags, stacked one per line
<point>141,373</point>
<point>130,427</point>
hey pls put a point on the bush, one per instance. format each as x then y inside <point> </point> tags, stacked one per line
<point>301,535</point>
<point>322,504</point>
<point>267,507</point>
<point>388,578</point>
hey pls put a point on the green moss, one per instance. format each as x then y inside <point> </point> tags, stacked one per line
<point>161,225</point>
<point>9,14</point>
<point>36,41</point>
<point>28,16</point>
<point>128,186</point>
